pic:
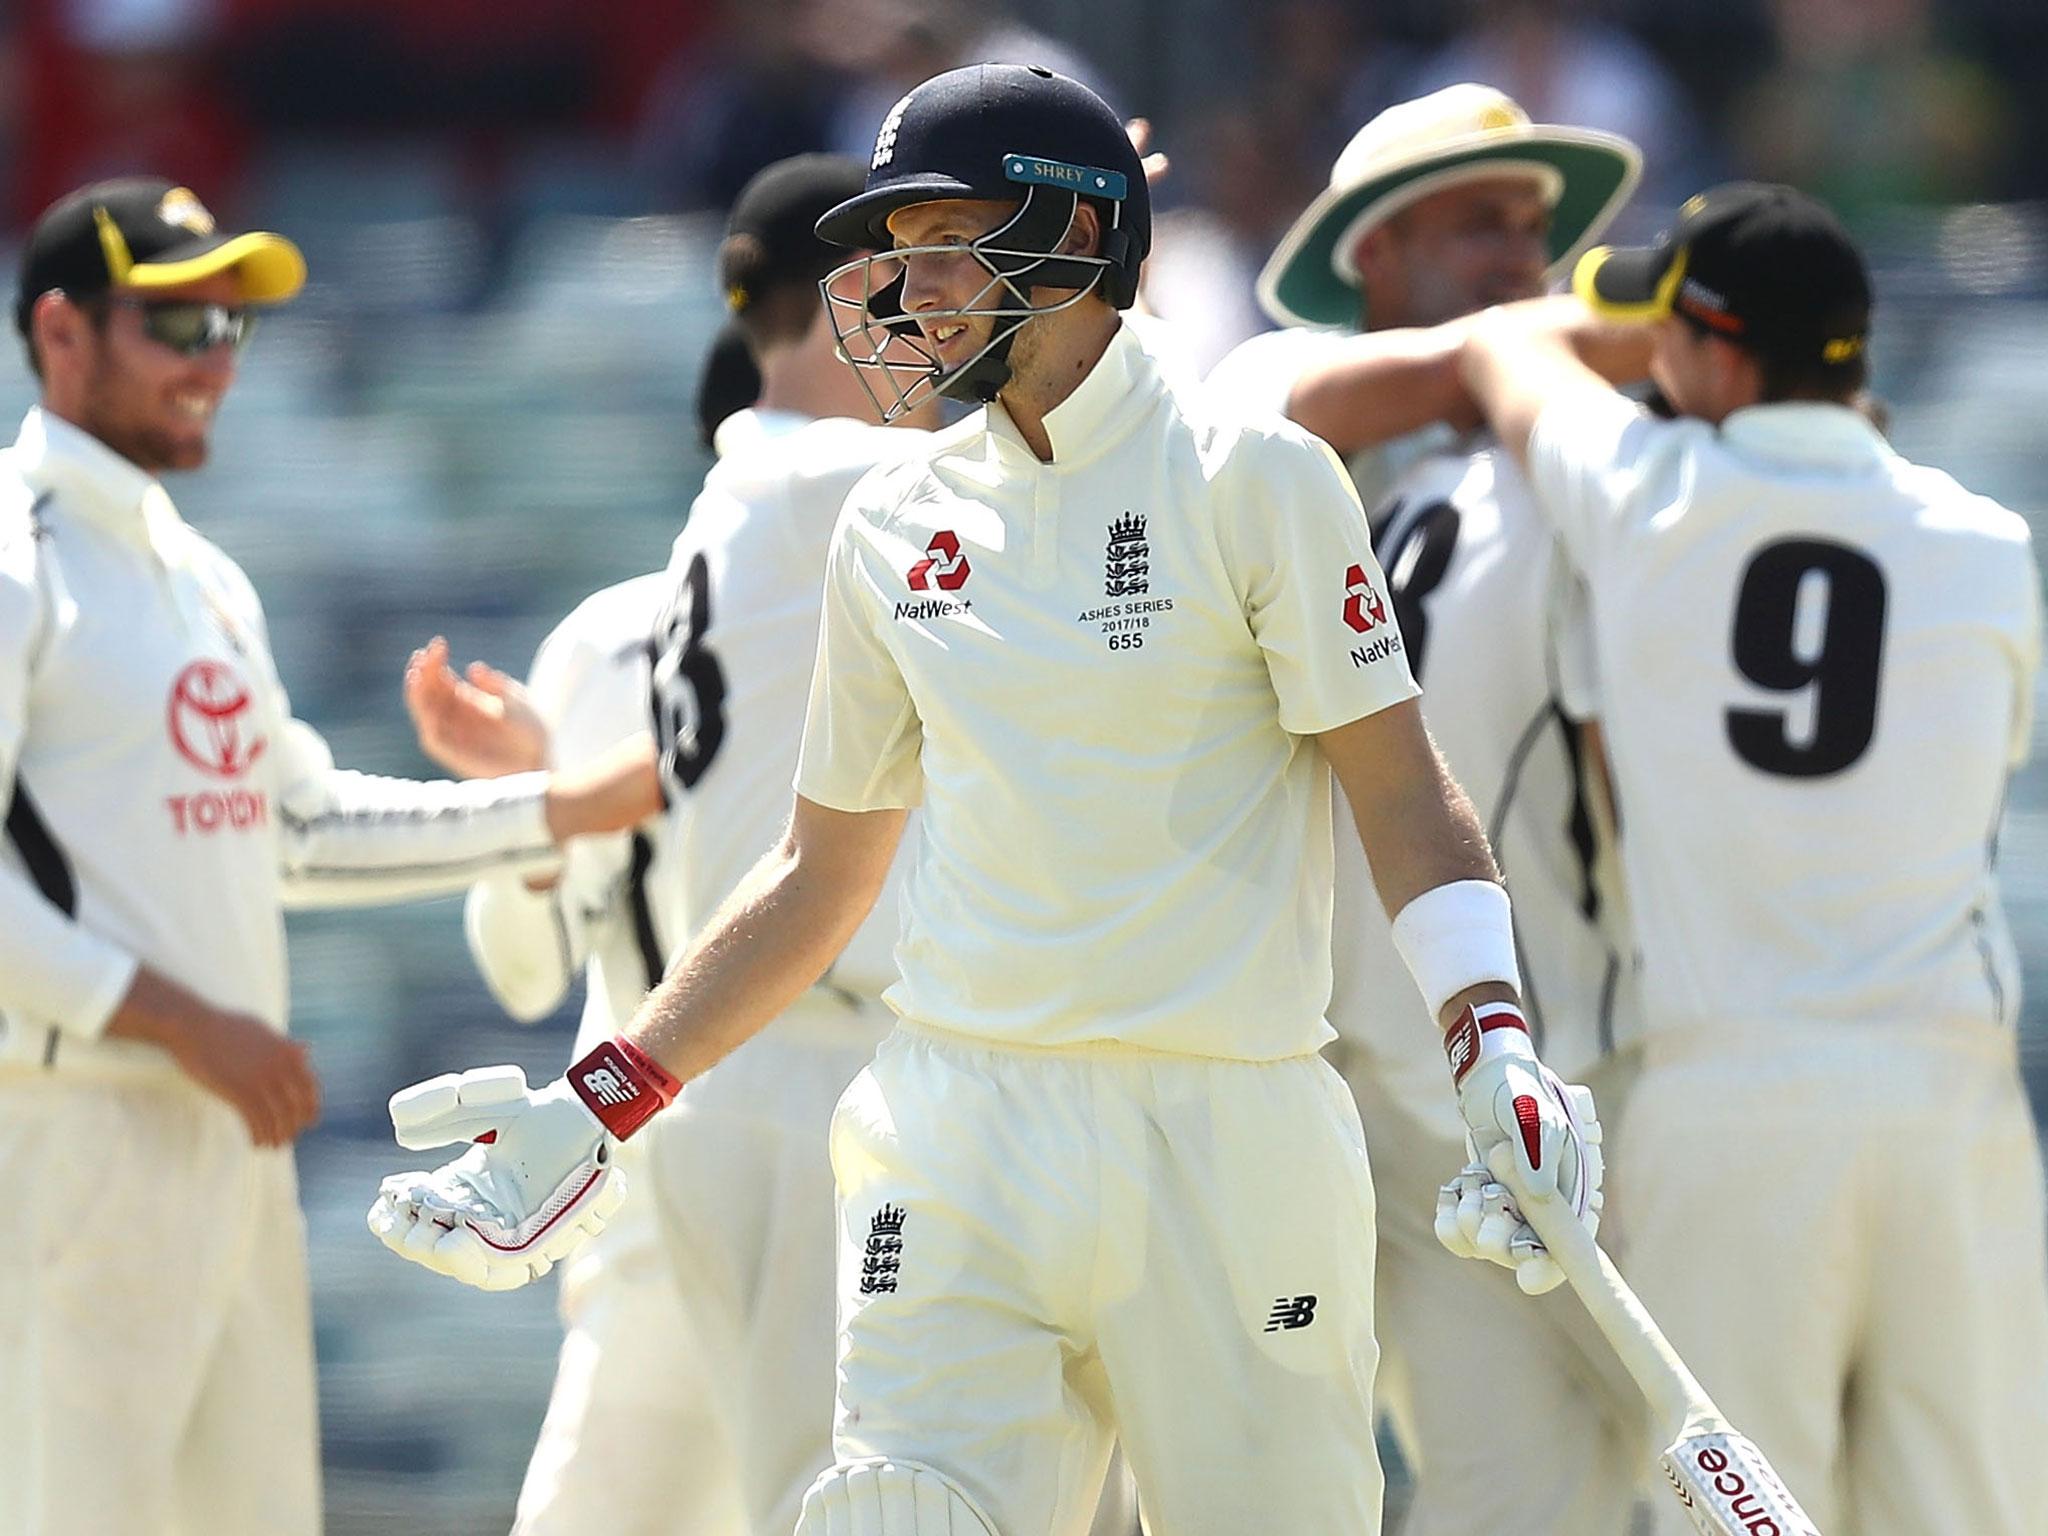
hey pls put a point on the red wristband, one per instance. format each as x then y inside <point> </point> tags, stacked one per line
<point>622,1085</point>
<point>1465,1040</point>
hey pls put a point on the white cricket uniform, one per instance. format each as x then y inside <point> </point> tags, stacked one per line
<point>156,1355</point>
<point>1495,636</point>
<point>1099,1176</point>
<point>630,1373</point>
<point>1816,664</point>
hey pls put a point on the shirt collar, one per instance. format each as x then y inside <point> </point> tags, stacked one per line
<point>54,455</point>
<point>1121,386</point>
<point>753,426</point>
<point>1815,434</point>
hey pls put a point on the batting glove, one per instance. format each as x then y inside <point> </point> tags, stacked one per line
<point>538,1179</point>
<point>1531,1137</point>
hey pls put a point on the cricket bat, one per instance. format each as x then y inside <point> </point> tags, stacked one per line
<point>1716,1472</point>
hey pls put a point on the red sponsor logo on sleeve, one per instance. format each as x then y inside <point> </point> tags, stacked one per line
<point>1364,609</point>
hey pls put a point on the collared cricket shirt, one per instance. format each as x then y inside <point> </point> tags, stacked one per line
<point>1816,664</point>
<point>1098,677</point>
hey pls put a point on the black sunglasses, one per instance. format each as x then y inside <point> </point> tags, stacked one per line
<point>189,327</point>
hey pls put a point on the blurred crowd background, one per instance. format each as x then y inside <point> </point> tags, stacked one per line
<point>483,407</point>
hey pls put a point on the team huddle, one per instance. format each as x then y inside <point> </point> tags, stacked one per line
<point>1254,841</point>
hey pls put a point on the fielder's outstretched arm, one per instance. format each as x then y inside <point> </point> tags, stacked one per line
<point>1520,358</point>
<point>1384,384</point>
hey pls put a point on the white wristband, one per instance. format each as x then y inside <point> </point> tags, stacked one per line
<point>1456,936</point>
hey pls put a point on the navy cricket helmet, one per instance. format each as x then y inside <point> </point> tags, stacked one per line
<point>997,132</point>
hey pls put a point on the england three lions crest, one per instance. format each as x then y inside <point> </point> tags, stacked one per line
<point>1127,565</point>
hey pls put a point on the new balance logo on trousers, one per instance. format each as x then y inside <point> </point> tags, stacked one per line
<point>1291,1312</point>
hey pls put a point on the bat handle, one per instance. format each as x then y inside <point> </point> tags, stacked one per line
<point>1679,1403</point>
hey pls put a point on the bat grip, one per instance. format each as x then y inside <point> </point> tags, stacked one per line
<point>1680,1404</point>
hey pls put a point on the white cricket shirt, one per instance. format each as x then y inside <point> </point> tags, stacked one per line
<point>1097,676</point>
<point>1493,631</point>
<point>737,644</point>
<point>162,804</point>
<point>1816,662</point>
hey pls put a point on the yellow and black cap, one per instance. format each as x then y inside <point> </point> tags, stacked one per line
<point>142,232</point>
<point>771,235</point>
<point>1764,266</point>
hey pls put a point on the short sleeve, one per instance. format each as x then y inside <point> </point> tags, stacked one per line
<point>1586,457</point>
<point>1313,593</point>
<point>863,740</point>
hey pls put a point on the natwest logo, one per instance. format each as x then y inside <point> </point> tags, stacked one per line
<point>943,566</point>
<point>207,716</point>
<point>1364,609</point>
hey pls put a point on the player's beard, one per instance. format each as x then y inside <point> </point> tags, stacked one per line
<point>119,411</point>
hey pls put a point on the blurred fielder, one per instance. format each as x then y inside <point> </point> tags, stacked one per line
<point>1438,208</point>
<point>162,806</point>
<point>1816,663</point>
<point>1098,1180</point>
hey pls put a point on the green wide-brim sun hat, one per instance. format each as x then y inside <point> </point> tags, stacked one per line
<point>1594,172</point>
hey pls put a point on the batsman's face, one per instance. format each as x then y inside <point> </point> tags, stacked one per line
<point>950,278</point>
<point>148,403</point>
<point>1457,251</point>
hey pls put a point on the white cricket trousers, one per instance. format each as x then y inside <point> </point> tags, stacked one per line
<point>1042,1249</point>
<point>156,1339</point>
<point>1463,1347</point>
<point>633,1443</point>
<point>694,1391</point>
<point>1841,1231</point>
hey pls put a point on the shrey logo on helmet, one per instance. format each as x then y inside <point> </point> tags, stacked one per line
<point>1009,133</point>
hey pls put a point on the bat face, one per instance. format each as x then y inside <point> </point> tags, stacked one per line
<point>1730,1490</point>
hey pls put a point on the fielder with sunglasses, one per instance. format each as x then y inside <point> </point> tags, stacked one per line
<point>162,807</point>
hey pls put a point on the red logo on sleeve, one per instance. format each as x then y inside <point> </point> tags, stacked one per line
<point>1364,609</point>
<point>943,566</point>
<point>208,718</point>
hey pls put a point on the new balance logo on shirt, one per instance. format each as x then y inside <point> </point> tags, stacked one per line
<point>1291,1312</point>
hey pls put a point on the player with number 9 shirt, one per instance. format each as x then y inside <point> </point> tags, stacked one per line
<point>1817,664</point>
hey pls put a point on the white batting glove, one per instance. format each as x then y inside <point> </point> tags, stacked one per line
<point>1532,1136</point>
<point>538,1179</point>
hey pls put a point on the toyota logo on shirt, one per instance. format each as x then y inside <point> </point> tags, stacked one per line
<point>1364,609</point>
<point>943,566</point>
<point>208,720</point>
